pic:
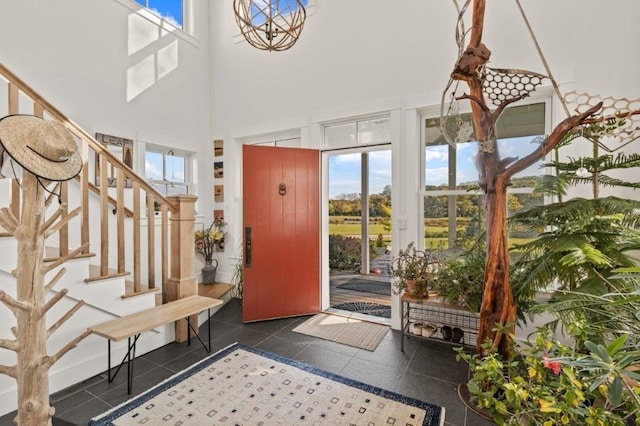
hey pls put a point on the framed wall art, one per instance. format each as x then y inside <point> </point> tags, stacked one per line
<point>120,147</point>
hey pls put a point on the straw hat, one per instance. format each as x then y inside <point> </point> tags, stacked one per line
<point>45,148</point>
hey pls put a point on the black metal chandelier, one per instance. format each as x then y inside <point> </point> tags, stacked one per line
<point>272,25</point>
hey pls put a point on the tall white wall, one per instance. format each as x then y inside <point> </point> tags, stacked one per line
<point>361,51</point>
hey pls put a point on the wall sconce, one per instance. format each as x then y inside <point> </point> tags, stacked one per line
<point>271,25</point>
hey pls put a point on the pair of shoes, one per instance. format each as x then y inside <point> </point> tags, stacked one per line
<point>446,332</point>
<point>457,335</point>
<point>454,335</point>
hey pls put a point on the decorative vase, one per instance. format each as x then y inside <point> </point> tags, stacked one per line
<point>209,271</point>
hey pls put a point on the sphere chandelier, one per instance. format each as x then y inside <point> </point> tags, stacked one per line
<point>272,25</point>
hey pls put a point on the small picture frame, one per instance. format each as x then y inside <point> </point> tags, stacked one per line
<point>218,170</point>
<point>218,193</point>
<point>218,148</point>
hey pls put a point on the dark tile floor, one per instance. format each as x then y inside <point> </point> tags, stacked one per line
<point>427,370</point>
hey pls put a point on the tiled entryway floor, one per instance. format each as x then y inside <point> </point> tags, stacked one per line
<point>427,370</point>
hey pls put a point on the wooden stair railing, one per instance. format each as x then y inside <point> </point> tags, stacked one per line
<point>114,208</point>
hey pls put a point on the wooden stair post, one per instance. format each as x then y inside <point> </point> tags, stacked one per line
<point>182,282</point>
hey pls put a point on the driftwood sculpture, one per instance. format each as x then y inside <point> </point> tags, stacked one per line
<point>45,151</point>
<point>498,306</point>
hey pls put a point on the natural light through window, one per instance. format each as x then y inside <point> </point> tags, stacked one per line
<point>166,172</point>
<point>169,10</point>
<point>453,205</point>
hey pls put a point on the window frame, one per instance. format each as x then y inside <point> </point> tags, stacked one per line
<point>186,32</point>
<point>186,183</point>
<point>544,97</point>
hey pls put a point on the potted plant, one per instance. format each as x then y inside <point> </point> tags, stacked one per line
<point>206,242</point>
<point>380,245</point>
<point>413,270</point>
<point>460,280</point>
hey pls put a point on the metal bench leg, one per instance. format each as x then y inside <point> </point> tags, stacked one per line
<point>128,358</point>
<point>130,364</point>
<point>190,327</point>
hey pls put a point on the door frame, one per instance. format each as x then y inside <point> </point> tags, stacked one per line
<point>364,151</point>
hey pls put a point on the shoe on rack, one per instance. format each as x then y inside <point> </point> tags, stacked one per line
<point>457,334</point>
<point>446,332</point>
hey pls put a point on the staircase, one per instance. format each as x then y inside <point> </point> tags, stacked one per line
<point>122,250</point>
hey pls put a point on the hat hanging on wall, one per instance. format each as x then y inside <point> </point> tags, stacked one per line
<point>45,148</point>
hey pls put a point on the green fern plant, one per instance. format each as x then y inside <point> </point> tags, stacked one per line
<point>580,241</point>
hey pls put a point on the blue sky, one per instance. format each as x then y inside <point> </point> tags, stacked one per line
<point>436,169</point>
<point>344,173</point>
<point>170,10</point>
<point>344,170</point>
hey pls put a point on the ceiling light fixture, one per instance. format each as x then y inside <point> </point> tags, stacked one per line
<point>272,25</point>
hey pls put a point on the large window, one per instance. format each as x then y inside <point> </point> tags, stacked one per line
<point>171,11</point>
<point>166,172</point>
<point>453,204</point>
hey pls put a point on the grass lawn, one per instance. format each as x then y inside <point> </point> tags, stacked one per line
<point>355,229</point>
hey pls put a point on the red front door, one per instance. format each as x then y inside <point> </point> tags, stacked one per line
<point>281,225</point>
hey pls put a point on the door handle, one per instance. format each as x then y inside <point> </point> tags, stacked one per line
<point>247,246</point>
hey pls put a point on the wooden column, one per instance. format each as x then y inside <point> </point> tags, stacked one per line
<point>182,282</point>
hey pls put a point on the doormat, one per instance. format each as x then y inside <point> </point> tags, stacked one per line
<point>245,385</point>
<point>367,308</point>
<point>367,286</point>
<point>346,330</point>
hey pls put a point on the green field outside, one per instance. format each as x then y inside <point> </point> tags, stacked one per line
<point>433,243</point>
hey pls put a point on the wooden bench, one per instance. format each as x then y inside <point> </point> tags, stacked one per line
<point>133,325</point>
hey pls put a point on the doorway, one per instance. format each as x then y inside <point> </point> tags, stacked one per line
<point>359,228</point>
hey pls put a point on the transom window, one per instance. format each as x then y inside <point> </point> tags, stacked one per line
<point>453,203</point>
<point>374,131</point>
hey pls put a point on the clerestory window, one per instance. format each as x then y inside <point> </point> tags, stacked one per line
<point>171,11</point>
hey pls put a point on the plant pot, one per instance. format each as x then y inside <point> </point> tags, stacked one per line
<point>414,289</point>
<point>209,271</point>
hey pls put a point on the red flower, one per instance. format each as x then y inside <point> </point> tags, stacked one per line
<point>551,365</point>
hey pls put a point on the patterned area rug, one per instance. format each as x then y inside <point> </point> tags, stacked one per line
<point>244,385</point>
<point>368,308</point>
<point>346,330</point>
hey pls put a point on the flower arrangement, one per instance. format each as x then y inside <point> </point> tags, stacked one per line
<point>211,239</point>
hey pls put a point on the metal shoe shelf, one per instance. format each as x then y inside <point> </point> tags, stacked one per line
<point>433,310</point>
